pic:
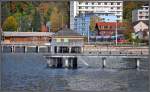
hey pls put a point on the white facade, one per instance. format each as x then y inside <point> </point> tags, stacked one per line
<point>140,14</point>
<point>140,26</point>
<point>96,7</point>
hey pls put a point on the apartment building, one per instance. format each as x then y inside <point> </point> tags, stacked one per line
<point>140,14</point>
<point>95,7</point>
<point>81,25</point>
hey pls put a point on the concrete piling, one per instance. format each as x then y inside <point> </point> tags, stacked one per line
<point>103,62</point>
<point>137,63</point>
<point>62,62</point>
<point>66,62</point>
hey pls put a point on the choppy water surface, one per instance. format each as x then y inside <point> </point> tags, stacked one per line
<point>29,73</point>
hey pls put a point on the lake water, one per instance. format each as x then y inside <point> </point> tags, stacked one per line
<point>29,73</point>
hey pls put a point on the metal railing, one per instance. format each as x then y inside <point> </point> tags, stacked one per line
<point>113,43</point>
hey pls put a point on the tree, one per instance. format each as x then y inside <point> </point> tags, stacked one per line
<point>129,6</point>
<point>10,24</point>
<point>55,19</point>
<point>93,21</point>
<point>129,31</point>
<point>36,23</point>
<point>5,11</point>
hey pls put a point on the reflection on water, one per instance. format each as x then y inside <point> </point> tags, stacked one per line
<point>29,73</point>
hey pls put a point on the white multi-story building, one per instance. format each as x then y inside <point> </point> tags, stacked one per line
<point>140,14</point>
<point>95,7</point>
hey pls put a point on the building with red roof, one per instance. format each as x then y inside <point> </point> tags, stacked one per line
<point>109,28</point>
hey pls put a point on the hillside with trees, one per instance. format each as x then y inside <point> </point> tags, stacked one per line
<point>34,15</point>
<point>128,7</point>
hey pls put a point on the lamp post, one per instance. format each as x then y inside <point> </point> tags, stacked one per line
<point>116,33</point>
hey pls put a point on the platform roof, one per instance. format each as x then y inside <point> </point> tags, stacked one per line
<point>27,34</point>
<point>67,32</point>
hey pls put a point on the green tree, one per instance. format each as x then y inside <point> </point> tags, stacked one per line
<point>129,6</point>
<point>93,21</point>
<point>36,23</point>
<point>5,11</point>
<point>10,24</point>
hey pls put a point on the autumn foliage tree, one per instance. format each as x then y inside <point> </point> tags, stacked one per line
<point>33,16</point>
<point>10,24</point>
<point>129,31</point>
<point>129,6</point>
<point>55,19</point>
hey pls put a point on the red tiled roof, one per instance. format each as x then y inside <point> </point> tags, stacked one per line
<point>109,24</point>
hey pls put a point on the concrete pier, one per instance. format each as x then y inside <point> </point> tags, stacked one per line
<point>62,62</point>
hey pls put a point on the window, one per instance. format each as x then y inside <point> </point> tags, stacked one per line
<point>83,19</point>
<point>118,7</point>
<point>112,8</point>
<point>106,27</point>
<point>58,40</point>
<point>86,7</point>
<point>92,7</point>
<point>140,17</point>
<point>147,12</point>
<point>118,16</point>
<point>80,7</point>
<point>118,3</point>
<point>146,16</point>
<point>118,12</point>
<point>86,3</point>
<point>140,12</point>
<point>99,27</point>
<point>92,3</point>
<point>80,2</point>
<point>112,3</point>
<point>105,3</point>
<point>99,3</point>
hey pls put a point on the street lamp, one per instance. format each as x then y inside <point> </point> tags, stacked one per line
<point>116,32</point>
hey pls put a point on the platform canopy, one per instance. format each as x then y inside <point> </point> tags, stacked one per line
<point>65,32</point>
